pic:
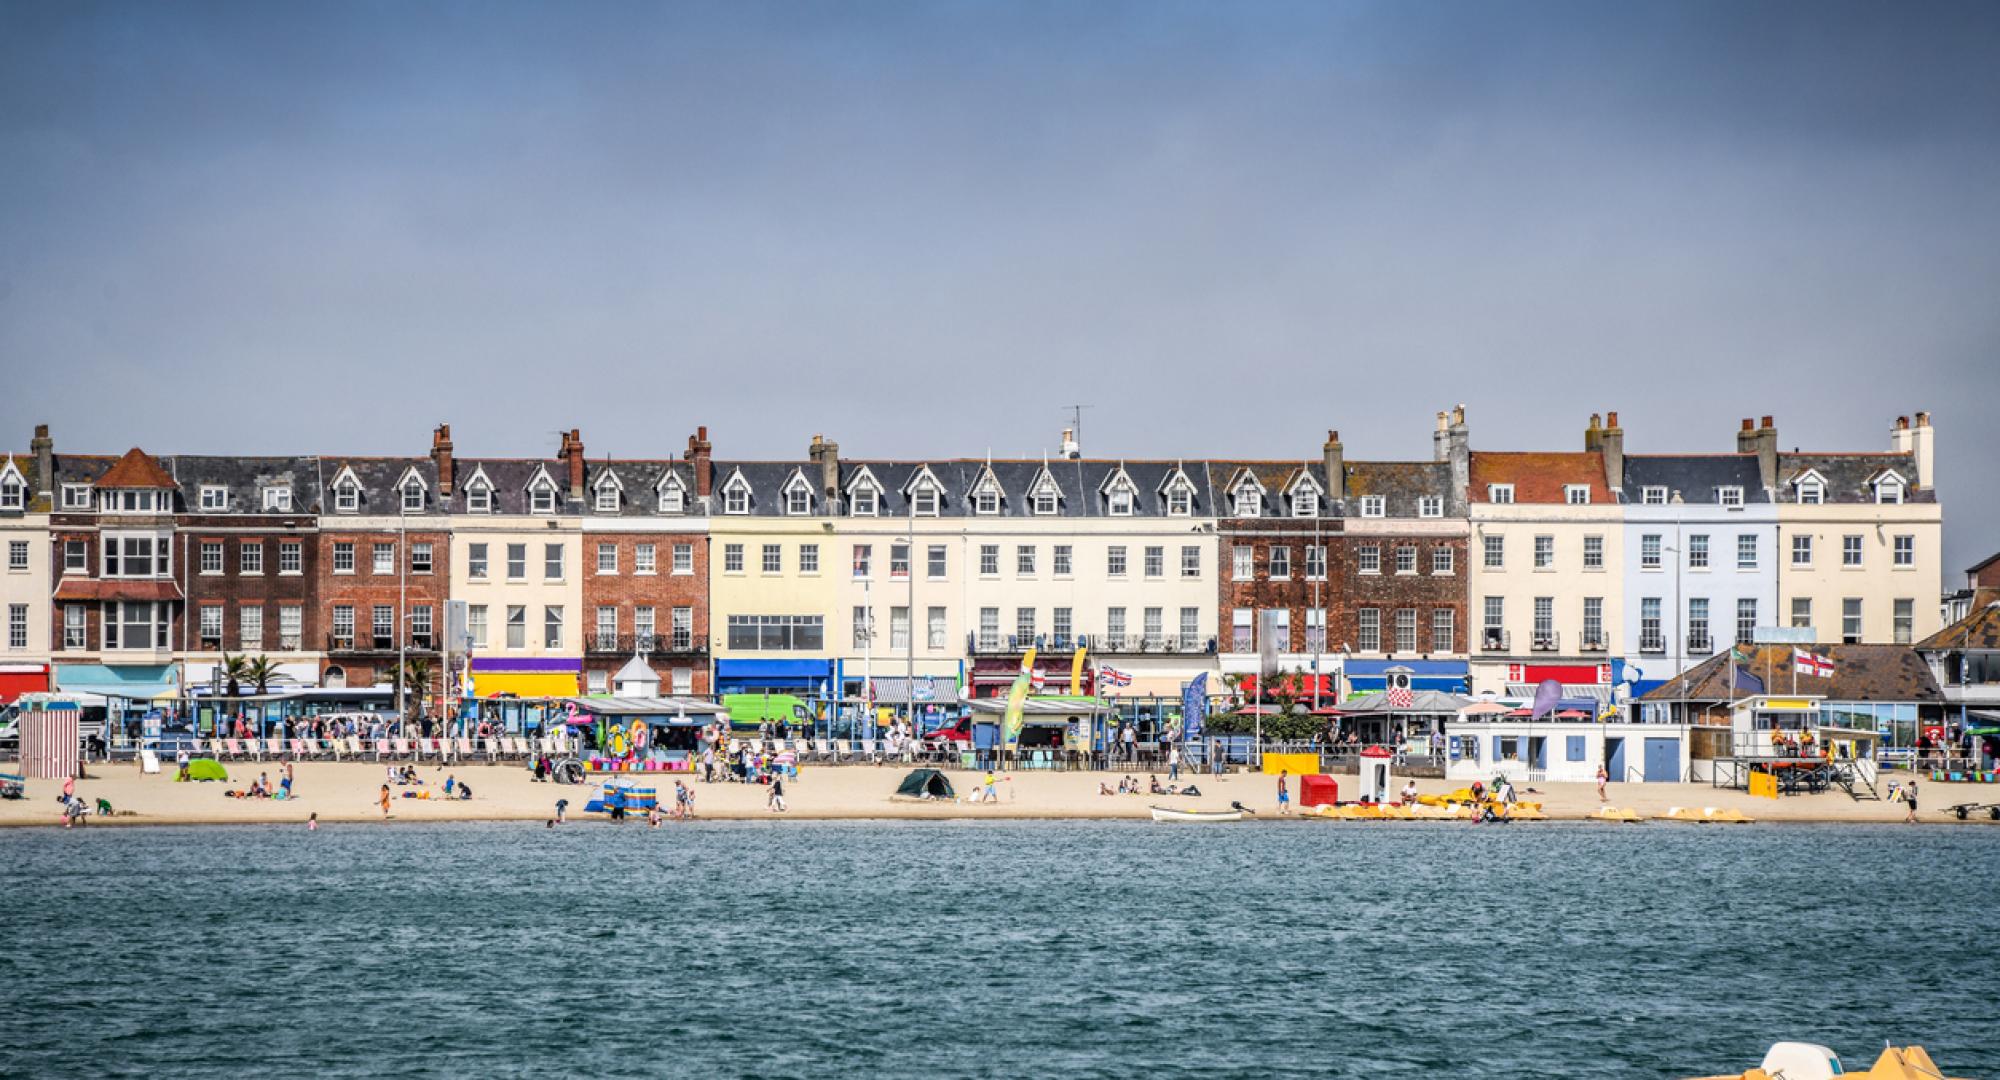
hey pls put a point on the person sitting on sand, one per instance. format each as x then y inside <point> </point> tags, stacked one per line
<point>1410,793</point>
<point>464,792</point>
<point>1153,784</point>
<point>1104,788</point>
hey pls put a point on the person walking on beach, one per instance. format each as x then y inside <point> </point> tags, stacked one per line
<point>707,763</point>
<point>385,802</point>
<point>1130,737</point>
<point>1910,797</point>
<point>1284,792</point>
<point>1602,776</point>
<point>777,799</point>
<point>1173,762</point>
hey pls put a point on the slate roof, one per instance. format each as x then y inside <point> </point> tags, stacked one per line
<point>510,478</point>
<point>1080,484</point>
<point>1539,476</point>
<point>246,478</point>
<point>1694,476</point>
<point>1400,483</point>
<point>1850,477</point>
<point>135,470</point>
<point>1860,673</point>
<point>378,477</point>
<point>1980,629</point>
<point>639,482</point>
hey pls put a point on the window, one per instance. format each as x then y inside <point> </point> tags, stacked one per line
<point>673,498</point>
<point>682,629</point>
<point>291,557</point>
<point>1315,562</point>
<point>777,633</point>
<point>986,501</point>
<point>736,497</point>
<point>382,559</point>
<point>475,561</point>
<point>347,498</point>
<point>1024,626</point>
<point>1889,490</point>
<point>644,625</point>
<point>1406,630</point>
<point>1652,637</point>
<point>1242,559</point>
<point>1062,560</point>
<point>420,627</point>
<point>1305,502</point>
<point>645,559</point>
<point>1850,551</point>
<point>1114,624</point>
<point>1368,629</point>
<point>732,559</point>
<point>773,559</point>
<point>76,557</point>
<point>684,558</point>
<point>517,562</point>
<point>1044,502</point>
<point>250,557</point>
<point>478,499</point>
<point>1368,558</point>
<point>1746,551</point>
<point>1239,630</point>
<point>552,562</point>
<point>1850,620</point>
<point>1444,560</point>
<point>517,626</point>
<point>214,498</point>
<point>1729,496</point>
<point>1281,563</point>
<point>607,498</point>
<point>1024,560</point>
<point>1156,562</point>
<point>864,560</point>
<point>1649,551</point>
<point>343,626</point>
<point>934,623</point>
<point>1698,626</point>
<point>1248,501</point>
<point>1811,492</point>
<point>1746,620</point>
<point>607,558</point>
<point>382,626</point>
<point>1114,560</point>
<point>1373,506</point>
<point>250,629</point>
<point>137,556</point>
<point>141,625</point>
<point>1495,551</point>
<point>1444,629</point>
<point>1802,613</point>
<point>1501,494</point>
<point>1698,551</point>
<point>552,626</point>
<point>1062,626</point>
<point>1545,553</point>
<point>343,557</point>
<point>808,559</point>
<point>864,502</point>
<point>863,625</point>
<point>1430,506</point>
<point>1406,559</point>
<point>1153,627</point>
<point>211,557</point>
<point>1576,494</point>
<point>936,561</point>
<point>1802,550</point>
<point>924,501</point>
<point>899,628</point>
<point>73,626</point>
<point>1653,495</point>
<point>77,497</point>
<point>989,628</point>
<point>1180,500</point>
<point>1191,561</point>
<point>798,501</point>
<point>475,624</point>
<point>413,499</point>
<point>1121,501</point>
<point>989,560</point>
<point>1545,622</point>
<point>1593,622</point>
<point>542,498</point>
<point>1905,616</point>
<point>1904,551</point>
<point>597,682</point>
<point>899,561</point>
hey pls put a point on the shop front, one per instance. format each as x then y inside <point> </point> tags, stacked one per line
<point>524,677</point>
<point>18,679</point>
<point>1443,676</point>
<point>800,678</point>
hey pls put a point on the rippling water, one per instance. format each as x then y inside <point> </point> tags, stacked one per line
<point>1050,949</point>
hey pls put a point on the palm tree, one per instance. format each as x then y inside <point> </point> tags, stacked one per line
<point>260,671</point>
<point>236,669</point>
<point>413,673</point>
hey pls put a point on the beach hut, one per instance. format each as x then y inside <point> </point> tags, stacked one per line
<point>50,741</point>
<point>925,784</point>
<point>1378,774</point>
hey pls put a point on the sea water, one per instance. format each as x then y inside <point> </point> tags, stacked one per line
<point>794,948</point>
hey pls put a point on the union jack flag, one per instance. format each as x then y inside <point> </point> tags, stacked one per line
<point>1400,697</point>
<point>1110,676</point>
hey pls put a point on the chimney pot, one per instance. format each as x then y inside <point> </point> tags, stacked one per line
<point>1748,424</point>
<point>1611,420</point>
<point>1923,419</point>
<point>1767,423</point>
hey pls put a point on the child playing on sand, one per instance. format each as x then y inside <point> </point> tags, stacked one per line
<point>385,802</point>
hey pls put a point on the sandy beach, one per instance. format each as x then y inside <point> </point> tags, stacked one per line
<point>348,792</point>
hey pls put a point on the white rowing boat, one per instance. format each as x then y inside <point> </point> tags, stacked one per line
<point>1163,813</point>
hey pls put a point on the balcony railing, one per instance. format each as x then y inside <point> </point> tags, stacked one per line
<point>354,644</point>
<point>1654,642</point>
<point>1700,644</point>
<point>1548,641</point>
<point>1593,643</point>
<point>1494,640</point>
<point>978,644</point>
<point>676,643</point>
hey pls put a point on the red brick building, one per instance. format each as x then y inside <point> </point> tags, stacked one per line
<point>382,571</point>
<point>645,580</point>
<point>247,534</point>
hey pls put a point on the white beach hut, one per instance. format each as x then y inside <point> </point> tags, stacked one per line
<point>636,679</point>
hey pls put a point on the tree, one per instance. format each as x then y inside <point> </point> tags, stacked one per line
<point>236,669</point>
<point>412,676</point>
<point>260,671</point>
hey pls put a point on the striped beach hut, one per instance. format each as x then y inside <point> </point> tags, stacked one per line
<point>49,741</point>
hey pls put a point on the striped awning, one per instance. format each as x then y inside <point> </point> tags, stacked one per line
<point>1597,692</point>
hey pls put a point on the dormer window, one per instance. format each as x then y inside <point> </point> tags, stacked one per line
<point>1374,506</point>
<point>132,501</point>
<point>13,492</point>
<point>1431,506</point>
<point>1045,503</point>
<point>798,501</point>
<point>865,502</point>
<point>478,498</point>
<point>673,496</point>
<point>1811,492</point>
<point>1653,495</point>
<point>541,493</point>
<point>413,498</point>
<point>1576,494</point>
<point>1305,503</point>
<point>214,498</point>
<point>278,499</point>
<point>1248,501</point>
<point>76,496</point>
<point>1729,496</point>
<point>607,500</point>
<point>1180,495</point>
<point>986,501</point>
<point>1889,491</point>
<point>1500,494</point>
<point>347,497</point>
<point>924,502</point>
<point>736,495</point>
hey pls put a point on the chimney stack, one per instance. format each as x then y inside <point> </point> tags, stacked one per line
<point>826,454</point>
<point>1612,441</point>
<point>571,455</point>
<point>1767,454</point>
<point>44,449</point>
<point>1441,439</point>
<point>1335,457</point>
<point>441,457</point>
<point>699,450</point>
<point>1071,449</point>
<point>1923,448</point>
<point>1593,436</point>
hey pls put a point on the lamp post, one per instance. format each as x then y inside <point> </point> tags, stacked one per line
<point>402,601</point>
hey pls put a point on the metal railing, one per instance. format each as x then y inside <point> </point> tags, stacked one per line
<point>679,642</point>
<point>1548,641</point>
<point>1491,640</point>
<point>378,643</point>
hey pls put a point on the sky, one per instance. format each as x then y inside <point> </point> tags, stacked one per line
<point>925,230</point>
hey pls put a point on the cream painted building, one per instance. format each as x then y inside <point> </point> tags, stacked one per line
<point>516,562</point>
<point>26,575</point>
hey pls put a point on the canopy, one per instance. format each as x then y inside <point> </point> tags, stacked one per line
<point>1042,706</point>
<point>926,784</point>
<point>1421,701</point>
<point>208,769</point>
<point>661,710</point>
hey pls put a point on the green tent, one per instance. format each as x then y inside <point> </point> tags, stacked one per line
<point>926,784</point>
<point>207,769</point>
